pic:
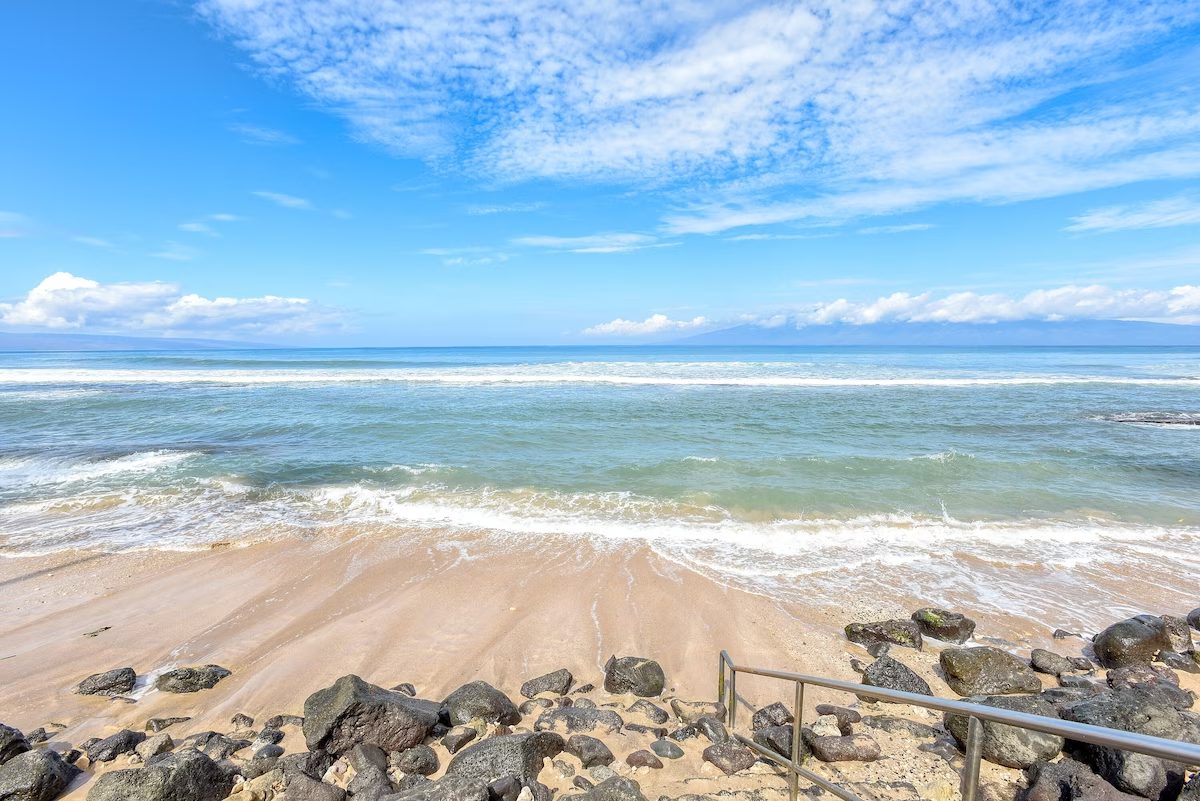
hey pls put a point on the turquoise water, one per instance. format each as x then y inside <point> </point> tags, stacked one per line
<point>721,454</point>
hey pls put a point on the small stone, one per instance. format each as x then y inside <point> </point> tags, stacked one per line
<point>649,710</point>
<point>1136,640</point>
<point>852,748</point>
<point>268,751</point>
<point>573,719</point>
<point>1062,634</point>
<point>533,705</point>
<point>108,749</point>
<point>826,726</point>
<point>601,773</point>
<point>420,759</point>
<point>458,737</point>
<point>279,721</point>
<point>691,711</point>
<point>643,759</point>
<point>1179,633</point>
<point>666,749</point>
<point>878,649</point>
<point>588,750</point>
<point>581,783</point>
<point>153,746</point>
<point>478,699</point>
<point>846,718</point>
<point>12,742</point>
<point>158,724</point>
<point>1048,662</point>
<point>242,722</point>
<point>39,775</point>
<point>896,632</point>
<point>712,729</point>
<point>653,731</point>
<point>583,688</point>
<point>407,688</point>
<point>564,768</point>
<point>506,788</point>
<point>775,714</point>
<point>890,674</point>
<point>730,757</point>
<point>558,682</point>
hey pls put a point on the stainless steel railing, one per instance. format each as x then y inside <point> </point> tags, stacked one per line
<point>1171,750</point>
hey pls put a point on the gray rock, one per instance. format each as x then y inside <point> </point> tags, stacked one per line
<point>846,718</point>
<point>279,721</point>
<point>269,737</point>
<point>190,679</point>
<point>478,699</point>
<point>713,729</point>
<point>888,673</point>
<point>1188,662</point>
<point>506,788</point>
<point>580,783</point>
<point>450,788</point>
<point>653,731</point>
<point>112,682</point>
<point>301,787</point>
<point>222,747</point>
<point>666,749</point>
<point>558,682</point>
<point>534,704</point>
<point>842,748</point>
<point>1135,641</point>
<point>40,775</point>
<point>420,759</point>
<point>878,649</point>
<point>894,632</point>
<point>365,757</point>
<point>111,747</point>
<point>241,721</point>
<point>987,671</point>
<point>458,737</point>
<point>1161,681</point>
<point>582,703</point>
<point>1191,790</point>
<point>267,751</point>
<point>158,724</point>
<point>186,775</point>
<point>351,711</point>
<point>614,788</point>
<point>634,674</point>
<point>153,746</point>
<point>643,759</point>
<point>575,719</point>
<point>730,757</point>
<point>38,735</point>
<point>1069,780</point>
<point>407,688</point>
<point>1010,746</point>
<point>779,740</point>
<point>775,714</point>
<point>370,783</point>
<point>1193,619</point>
<point>1050,663</point>
<point>588,750</point>
<point>691,711</point>
<point>653,712</point>
<point>895,725</point>
<point>517,755</point>
<point>12,742</point>
<point>1179,633</point>
<point>944,625</point>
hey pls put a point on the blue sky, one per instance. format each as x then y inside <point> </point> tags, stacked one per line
<point>374,173</point>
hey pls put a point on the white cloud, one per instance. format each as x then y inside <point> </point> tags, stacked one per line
<point>1165,213</point>
<point>287,201</point>
<point>198,228</point>
<point>224,217</point>
<point>471,256</point>
<point>13,225</point>
<point>94,242</point>
<point>261,135</point>
<point>654,324</point>
<point>173,251</point>
<point>860,108</point>
<point>896,229</point>
<point>596,243</point>
<point>66,301</point>
<point>503,208</point>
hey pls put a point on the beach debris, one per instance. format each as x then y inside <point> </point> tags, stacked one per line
<point>1010,746</point>
<point>944,625</point>
<point>111,682</point>
<point>634,674</point>
<point>895,632</point>
<point>352,711</point>
<point>559,682</point>
<point>191,679</point>
<point>985,670</point>
<point>1136,640</point>
<point>96,632</point>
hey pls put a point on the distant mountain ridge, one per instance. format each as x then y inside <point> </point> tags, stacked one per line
<point>1110,333</point>
<point>16,342</point>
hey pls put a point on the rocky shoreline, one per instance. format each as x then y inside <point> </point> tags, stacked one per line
<point>630,738</point>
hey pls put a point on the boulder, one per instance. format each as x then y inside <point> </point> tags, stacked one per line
<point>558,682</point>
<point>1050,663</point>
<point>730,757</point>
<point>643,759</point>
<point>840,748</point>
<point>775,714</point>
<point>1069,780</point>
<point>112,682</point>
<point>691,711</point>
<point>187,775</point>
<point>153,746</point>
<point>987,671</point>
<point>651,711</point>
<point>1010,746</point>
<point>12,742</point>
<point>575,719</point>
<point>517,755</point>
<point>666,749</point>
<point>111,747</point>
<point>588,750</point>
<point>479,699</point>
<point>1135,641</point>
<point>1188,662</point>
<point>447,789</point>
<point>944,625</point>
<point>190,679</point>
<point>895,632</point>
<point>1193,619</point>
<point>420,760</point>
<point>890,674</point>
<point>1179,633</point>
<point>634,674</point>
<point>1159,681</point>
<point>779,740</point>
<point>351,711</point>
<point>40,775</point>
<point>615,788</point>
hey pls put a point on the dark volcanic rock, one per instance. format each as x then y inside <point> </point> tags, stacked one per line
<point>111,747</point>
<point>305,788</point>
<point>1193,619</point>
<point>351,711</point>
<point>448,789</point>
<point>576,719</point>
<point>182,776</point>
<point>651,711</point>
<point>944,625</point>
<point>691,711</point>
<point>987,671</point>
<point>775,714</point>
<point>420,759</point>
<point>1191,791</point>
<point>634,674</point>
<point>190,679</point>
<point>1159,681</point>
<point>615,788</point>
<point>534,704</point>
<point>112,682</point>
<point>1069,780</point>
<point>158,724</point>
<point>479,699</point>
<point>846,718</point>
<point>730,757</point>
<point>1010,746</point>
<point>588,750</point>
<point>888,673</point>
<point>1135,641</point>
<point>517,755</point>
<point>279,721</point>
<point>895,632</point>
<point>40,775</point>
<point>1188,662</point>
<point>666,749</point>
<point>558,682</point>
<point>779,740</point>
<point>643,759</point>
<point>458,737</point>
<point>653,731</point>
<point>12,742</point>
<point>713,729</point>
<point>851,748</point>
<point>1050,663</point>
<point>895,725</point>
<point>1179,633</point>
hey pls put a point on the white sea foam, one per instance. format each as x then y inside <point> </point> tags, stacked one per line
<point>32,471</point>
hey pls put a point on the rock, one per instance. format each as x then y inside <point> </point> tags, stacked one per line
<point>878,649</point>
<point>886,672</point>
<point>108,749</point>
<point>895,725</point>
<point>1193,619</point>
<point>420,759</point>
<point>267,751</point>
<point>12,742</point>
<point>534,704</point>
<point>153,746</point>
<point>279,721</point>
<point>1135,710</point>
<point>558,682</point>
<point>113,682</point>
<point>778,739</point>
<point>1134,641</point>
<point>730,757</point>
<point>1062,634</point>
<point>351,711</point>
<point>158,724</point>
<point>506,788</point>
<point>186,775</point>
<point>301,787</point>
<point>944,625</point>
<point>241,722</point>
<point>713,729</point>
<point>268,737</point>
<point>1057,696</point>
<point>1179,633</point>
<point>987,671</point>
<point>1186,662</point>
<point>615,788</point>
<point>1081,663</point>
<point>1048,662</point>
<point>825,726</point>
<point>580,783</point>
<point>852,748</point>
<point>846,718</point>
<point>1010,746</point>
<point>1191,791</point>
<point>666,749</point>
<point>895,632</point>
<point>643,759</point>
<point>588,750</point>
<point>1069,780</point>
<point>775,714</point>
<point>190,679</point>
<point>458,737</point>
<point>583,688</point>
<point>447,789</point>
<point>574,719</point>
<point>684,733</point>
<point>479,699</point>
<point>634,674</point>
<point>1159,681</point>
<point>370,783</point>
<point>517,755</point>
<point>38,735</point>
<point>691,711</point>
<point>649,710</point>
<point>40,775</point>
<point>582,703</point>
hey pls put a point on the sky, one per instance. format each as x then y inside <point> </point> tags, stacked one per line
<point>374,172</point>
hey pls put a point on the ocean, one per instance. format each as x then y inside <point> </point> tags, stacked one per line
<point>753,464</point>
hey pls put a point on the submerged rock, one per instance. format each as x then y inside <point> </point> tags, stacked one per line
<point>351,711</point>
<point>112,682</point>
<point>1011,746</point>
<point>987,671</point>
<point>634,674</point>
<point>191,679</point>
<point>944,625</point>
<point>1134,641</point>
<point>895,632</point>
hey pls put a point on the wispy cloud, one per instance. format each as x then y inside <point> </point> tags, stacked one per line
<point>94,242</point>
<point>472,256</point>
<point>654,324</point>
<point>14,225</point>
<point>262,135</point>
<point>174,251</point>
<point>198,228</point>
<point>503,208</point>
<point>66,301</point>
<point>595,243</point>
<point>1165,213</point>
<point>287,201</point>
<point>895,229</point>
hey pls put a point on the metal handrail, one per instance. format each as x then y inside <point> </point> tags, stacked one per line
<point>1170,750</point>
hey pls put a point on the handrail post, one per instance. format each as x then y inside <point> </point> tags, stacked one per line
<point>732,696</point>
<point>797,716</point>
<point>974,749</point>
<point>721,678</point>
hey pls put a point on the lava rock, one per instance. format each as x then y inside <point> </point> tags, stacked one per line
<point>534,704</point>
<point>711,728</point>
<point>108,749</point>
<point>269,737</point>
<point>691,711</point>
<point>12,742</point>
<point>420,760</point>
<point>1162,682</point>
<point>301,787</point>
<point>558,682</point>
<point>1193,619</point>
<point>655,713</point>
<point>851,748</point>
<point>944,625</point>
<point>895,725</point>
<point>351,711</point>
<point>40,775</point>
<point>1010,746</point>
<point>158,724</point>
<point>730,757</point>
<point>1050,663</point>
<point>112,682</point>
<point>890,674</point>
<point>775,714</point>
<point>186,775</point>
<point>615,788</point>
<point>653,731</point>
<point>479,699</point>
<point>1188,663</point>
<point>153,746</point>
<point>190,679</point>
<point>517,755</point>
<point>987,671</point>
<point>895,632</point>
<point>643,759</point>
<point>279,721</point>
<point>446,789</point>
<point>241,722</point>
<point>779,740</point>
<point>666,749</point>
<point>846,718</point>
<point>1179,633</point>
<point>588,750</point>
<point>1069,780</point>
<point>575,719</point>
<point>458,737</point>
<point>1135,641</point>
<point>634,674</point>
